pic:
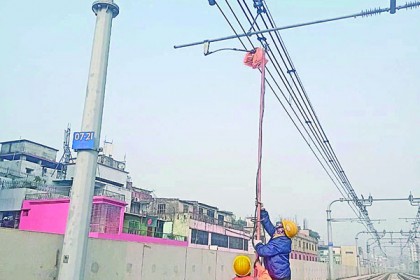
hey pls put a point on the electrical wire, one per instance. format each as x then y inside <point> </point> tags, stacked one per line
<point>320,135</point>
<point>241,26</point>
<point>322,142</point>
<point>310,109</point>
<point>278,98</point>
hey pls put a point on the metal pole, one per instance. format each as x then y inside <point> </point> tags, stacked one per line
<point>358,257</point>
<point>72,265</point>
<point>330,246</point>
<point>358,252</point>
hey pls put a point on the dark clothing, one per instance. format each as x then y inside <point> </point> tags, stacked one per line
<point>275,252</point>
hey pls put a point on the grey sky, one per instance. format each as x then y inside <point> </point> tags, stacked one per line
<point>188,123</point>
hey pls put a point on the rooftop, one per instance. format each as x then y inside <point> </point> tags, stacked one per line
<point>29,141</point>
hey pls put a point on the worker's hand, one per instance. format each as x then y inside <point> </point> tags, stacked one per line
<point>257,241</point>
<point>261,204</point>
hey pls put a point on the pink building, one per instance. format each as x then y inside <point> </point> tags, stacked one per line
<point>50,216</point>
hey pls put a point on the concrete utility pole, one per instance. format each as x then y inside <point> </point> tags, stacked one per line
<point>72,265</point>
<point>330,246</point>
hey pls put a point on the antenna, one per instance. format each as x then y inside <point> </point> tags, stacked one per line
<point>66,158</point>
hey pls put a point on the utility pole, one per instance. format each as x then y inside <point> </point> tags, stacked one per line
<point>73,259</point>
<point>330,246</point>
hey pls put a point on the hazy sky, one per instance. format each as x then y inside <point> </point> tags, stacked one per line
<point>188,123</point>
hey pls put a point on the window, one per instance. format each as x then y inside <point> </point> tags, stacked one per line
<point>349,253</point>
<point>219,240</point>
<point>161,208</point>
<point>210,213</point>
<point>143,207</point>
<point>186,208</point>
<point>236,243</point>
<point>199,237</point>
<point>220,220</point>
<point>200,211</point>
<point>245,245</point>
<point>29,170</point>
<point>299,243</point>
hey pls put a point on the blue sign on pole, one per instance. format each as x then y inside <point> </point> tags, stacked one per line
<point>83,141</point>
<point>330,244</point>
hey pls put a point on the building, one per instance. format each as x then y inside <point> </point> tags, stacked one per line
<point>323,253</point>
<point>49,215</point>
<point>28,168</point>
<point>25,167</point>
<point>305,246</point>
<point>349,256</point>
<point>343,255</point>
<point>111,175</point>
<point>22,159</point>
<point>203,225</point>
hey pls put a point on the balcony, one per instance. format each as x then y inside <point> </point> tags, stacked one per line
<point>198,217</point>
<point>145,232</point>
<point>214,221</point>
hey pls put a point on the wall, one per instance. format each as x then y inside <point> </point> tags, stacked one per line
<point>348,256</point>
<point>12,167</point>
<point>38,150</point>
<point>125,260</point>
<point>11,199</point>
<point>181,225</point>
<point>105,172</point>
<point>51,215</point>
<point>44,216</point>
<point>31,148</point>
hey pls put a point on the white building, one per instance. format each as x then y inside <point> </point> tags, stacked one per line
<point>30,170</point>
<point>25,166</point>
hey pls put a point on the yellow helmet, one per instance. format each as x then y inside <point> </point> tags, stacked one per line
<point>242,265</point>
<point>290,228</point>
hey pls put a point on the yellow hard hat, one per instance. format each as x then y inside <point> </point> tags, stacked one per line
<point>290,228</point>
<point>242,265</point>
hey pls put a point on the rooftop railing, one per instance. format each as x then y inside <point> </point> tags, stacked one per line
<point>57,192</point>
<point>110,194</point>
<point>43,196</point>
<point>144,232</point>
<point>198,217</point>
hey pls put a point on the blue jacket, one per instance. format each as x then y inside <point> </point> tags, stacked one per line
<point>276,251</point>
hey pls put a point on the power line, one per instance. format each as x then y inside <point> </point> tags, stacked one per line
<point>329,152</point>
<point>366,13</point>
<point>278,98</point>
